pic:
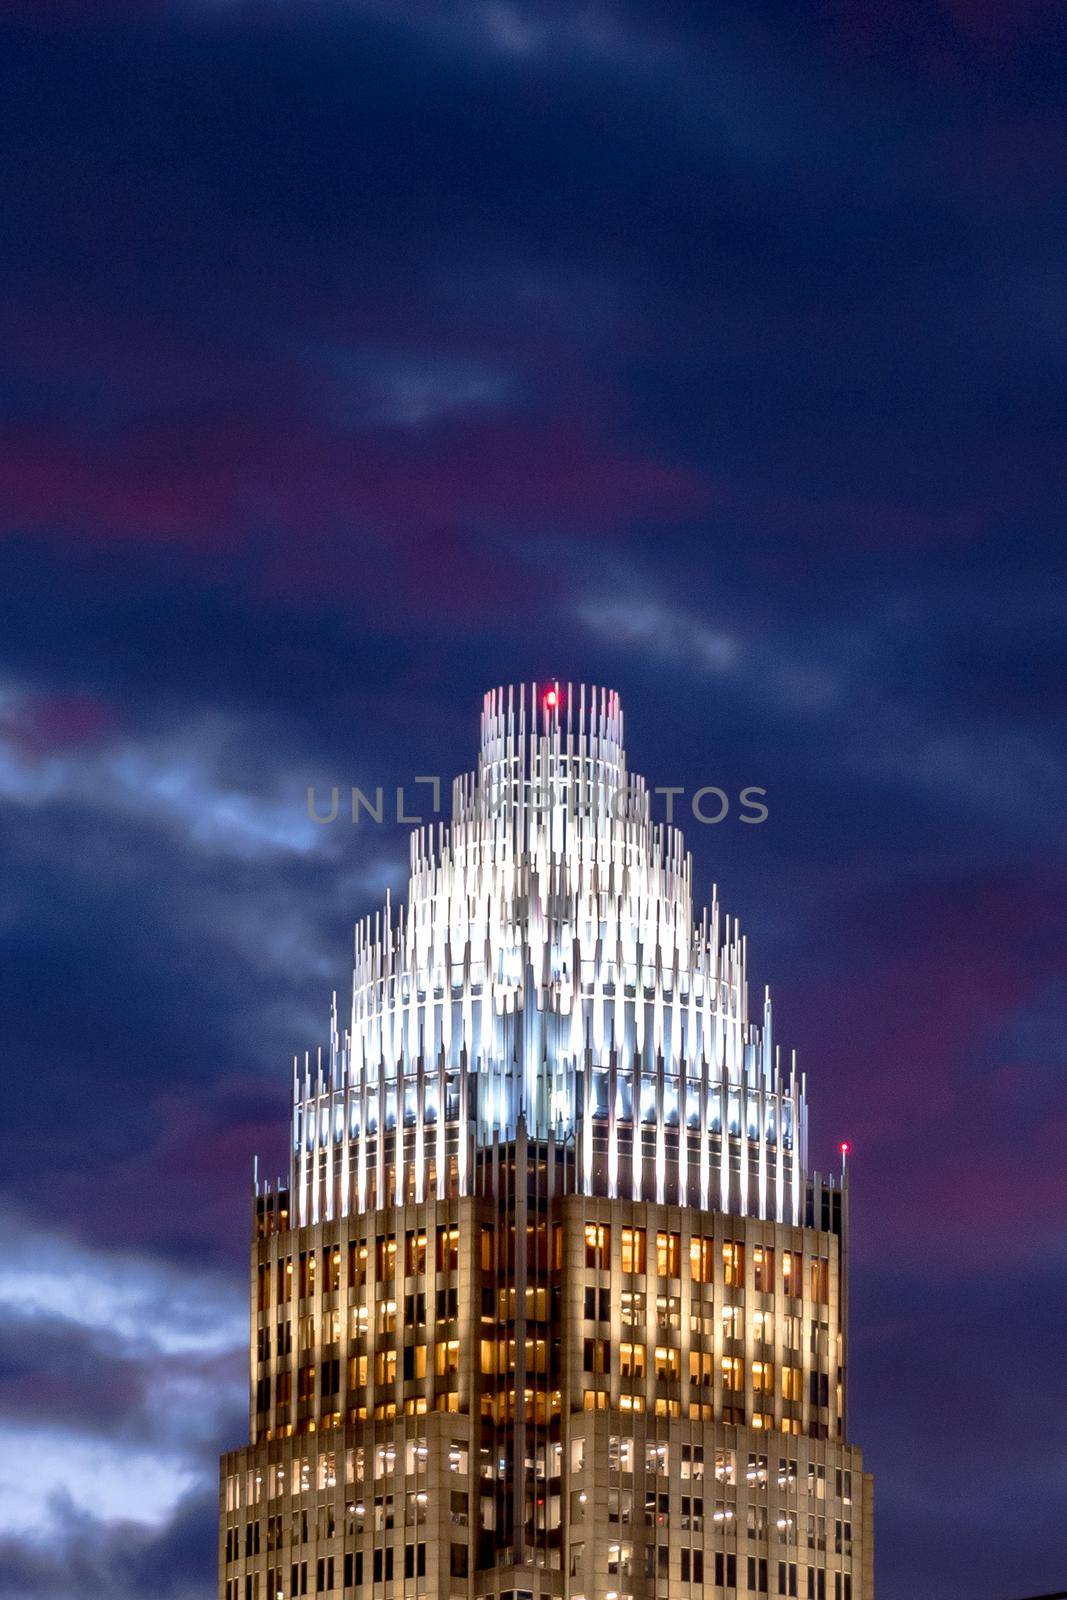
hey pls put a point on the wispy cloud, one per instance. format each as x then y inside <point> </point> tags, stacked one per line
<point>50,1473</point>
<point>664,631</point>
<point>408,389</point>
<point>173,780</point>
<point>772,671</point>
<point>166,1345</point>
<point>141,1304</point>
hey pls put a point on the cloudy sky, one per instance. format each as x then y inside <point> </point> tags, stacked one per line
<point>359,356</point>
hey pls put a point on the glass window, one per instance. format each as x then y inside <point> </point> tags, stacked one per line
<point>597,1245</point>
<point>733,1262</point>
<point>633,1249</point>
<point>668,1254</point>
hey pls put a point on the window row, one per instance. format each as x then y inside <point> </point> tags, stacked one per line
<point>325,1269</point>
<point>665,1363</point>
<point>656,1457</point>
<point>323,1472</point>
<point>320,1577</point>
<point>702,1256</point>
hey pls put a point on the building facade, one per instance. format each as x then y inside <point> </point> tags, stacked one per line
<point>548,1303</point>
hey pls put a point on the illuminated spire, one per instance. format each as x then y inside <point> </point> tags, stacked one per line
<point>547,967</point>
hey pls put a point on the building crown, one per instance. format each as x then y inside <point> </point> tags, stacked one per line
<point>547,971</point>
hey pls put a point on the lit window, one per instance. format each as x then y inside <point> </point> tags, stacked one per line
<point>733,1262</point>
<point>733,1322</point>
<point>701,1368</point>
<point>415,1253</point>
<point>632,1307</point>
<point>701,1258</point>
<point>631,1360</point>
<point>597,1245</point>
<point>733,1373</point>
<point>447,1249</point>
<point>446,1357</point>
<point>667,1363</point>
<point>763,1377</point>
<point>820,1282</point>
<point>668,1254</point>
<point>633,1249</point>
<point>620,1559</point>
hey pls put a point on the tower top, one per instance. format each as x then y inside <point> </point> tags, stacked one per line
<point>546,968</point>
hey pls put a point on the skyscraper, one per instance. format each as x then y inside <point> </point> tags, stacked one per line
<point>549,1303</point>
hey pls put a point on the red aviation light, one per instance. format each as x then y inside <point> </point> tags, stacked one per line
<point>845,1148</point>
<point>551,699</point>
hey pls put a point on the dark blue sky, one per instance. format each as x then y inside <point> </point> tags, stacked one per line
<point>357,357</point>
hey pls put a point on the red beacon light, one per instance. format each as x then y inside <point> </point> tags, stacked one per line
<point>845,1148</point>
<point>551,699</point>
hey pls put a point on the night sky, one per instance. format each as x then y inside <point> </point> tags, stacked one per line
<point>359,357</point>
